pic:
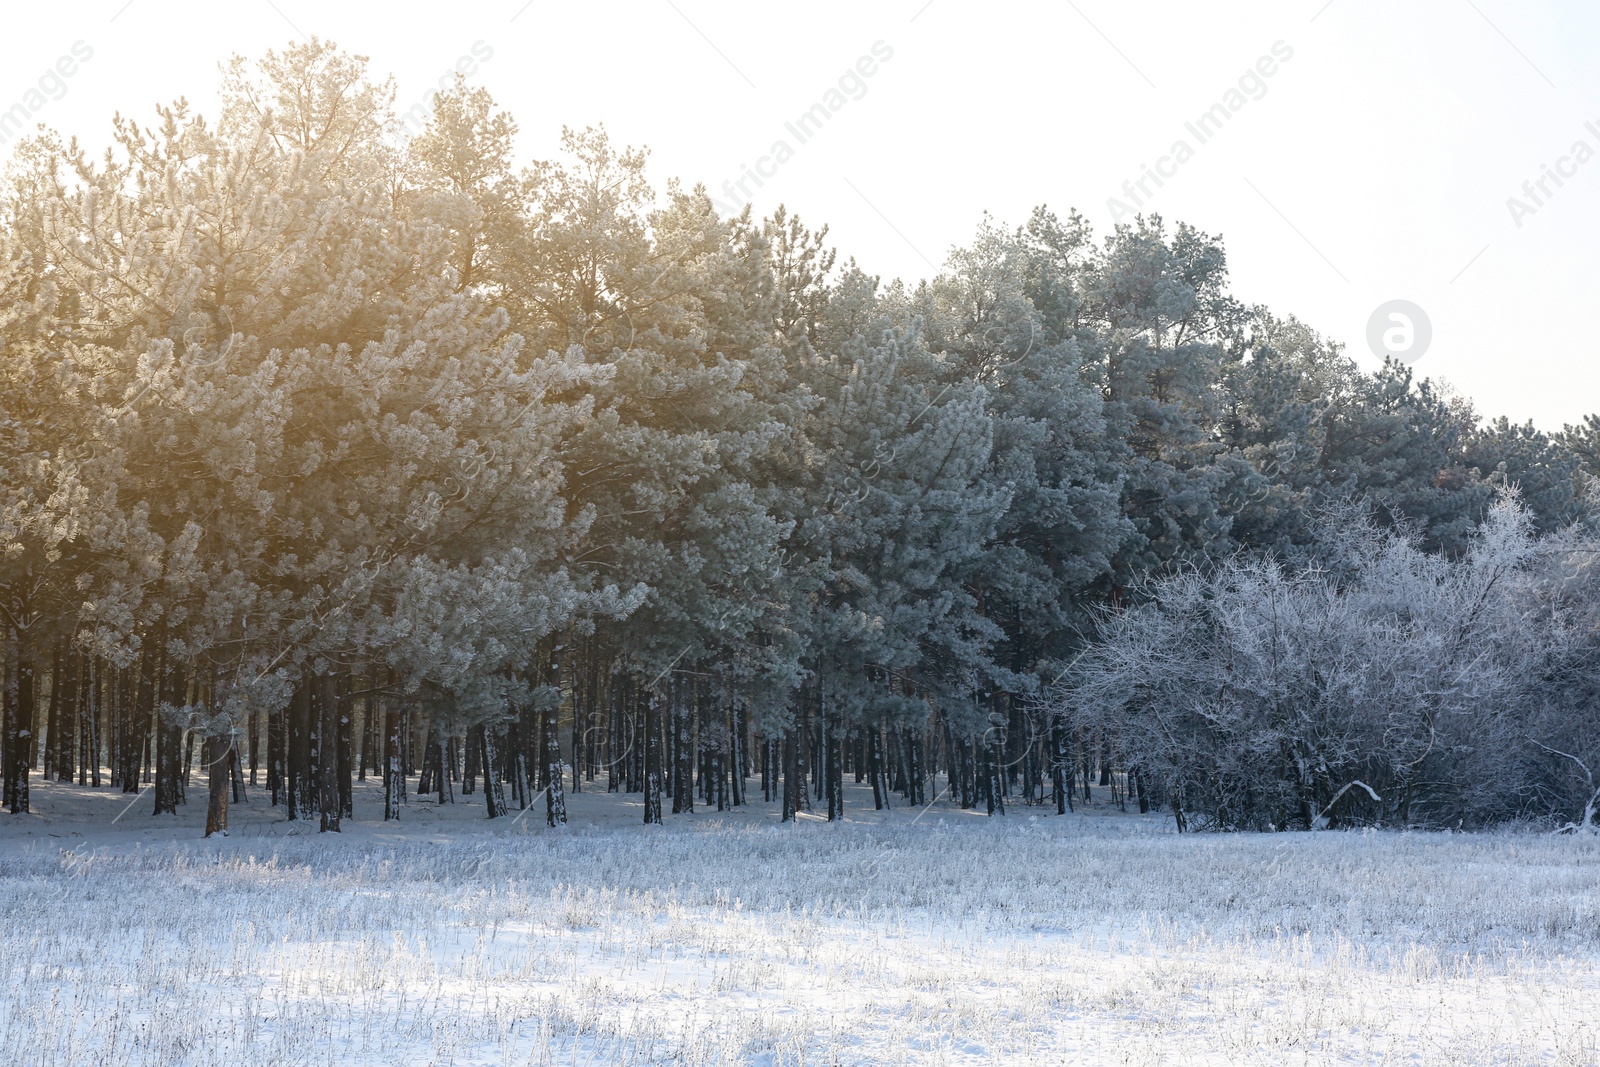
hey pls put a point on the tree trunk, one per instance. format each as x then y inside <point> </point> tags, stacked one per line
<point>170,738</point>
<point>425,773</point>
<point>914,777</point>
<point>614,755</point>
<point>581,708</point>
<point>393,768</point>
<point>682,752</point>
<point>54,716</point>
<point>994,760</point>
<point>637,745</point>
<point>219,766</point>
<point>19,712</point>
<point>555,811</point>
<point>135,718</point>
<point>473,762</point>
<point>277,732</point>
<point>874,762</point>
<point>441,770</point>
<point>652,757</point>
<point>329,795</point>
<point>766,770</point>
<point>736,754</point>
<point>296,750</point>
<point>344,752</point>
<point>803,757</point>
<point>253,727</point>
<point>494,796</point>
<point>833,743</point>
<point>793,790</point>
<point>90,730</point>
<point>1059,767</point>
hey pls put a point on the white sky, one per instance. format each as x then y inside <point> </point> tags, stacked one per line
<point>1376,166</point>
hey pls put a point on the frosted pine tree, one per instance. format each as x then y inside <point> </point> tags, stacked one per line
<point>896,510</point>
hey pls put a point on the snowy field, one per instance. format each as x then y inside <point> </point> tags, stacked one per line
<point>944,938</point>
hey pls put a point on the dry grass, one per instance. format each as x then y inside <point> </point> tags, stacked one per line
<point>726,940</point>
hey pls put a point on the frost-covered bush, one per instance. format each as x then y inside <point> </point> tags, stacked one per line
<point>1379,683</point>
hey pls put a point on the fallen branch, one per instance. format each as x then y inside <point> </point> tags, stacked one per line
<point>1321,821</point>
<point>1586,825</point>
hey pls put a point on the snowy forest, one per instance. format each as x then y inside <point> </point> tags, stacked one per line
<point>333,454</point>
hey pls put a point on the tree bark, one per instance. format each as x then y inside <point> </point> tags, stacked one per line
<point>652,757</point>
<point>914,776</point>
<point>329,795</point>
<point>494,797</point>
<point>393,768</point>
<point>134,718</point>
<point>833,744</point>
<point>55,717</point>
<point>89,725</point>
<point>555,797</point>
<point>219,767</point>
<point>682,751</point>
<point>345,751</point>
<point>793,789</point>
<point>296,754</point>
<point>736,754</point>
<point>277,730</point>
<point>169,739</point>
<point>994,760</point>
<point>582,707</point>
<point>874,761</point>
<point>19,712</point>
<point>1059,765</point>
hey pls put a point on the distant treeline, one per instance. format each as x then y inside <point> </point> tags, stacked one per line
<point>327,452</point>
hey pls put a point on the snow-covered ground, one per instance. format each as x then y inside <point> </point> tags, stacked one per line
<point>937,937</point>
